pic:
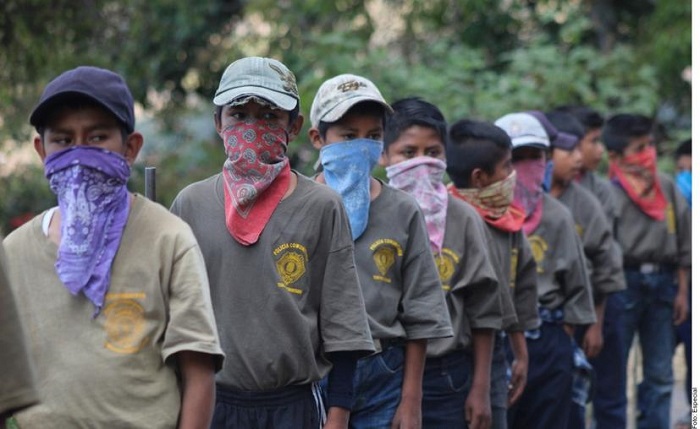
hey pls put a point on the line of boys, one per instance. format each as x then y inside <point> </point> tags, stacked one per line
<point>290,263</point>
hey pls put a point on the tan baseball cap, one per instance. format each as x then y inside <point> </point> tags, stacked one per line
<point>337,95</point>
<point>257,76</point>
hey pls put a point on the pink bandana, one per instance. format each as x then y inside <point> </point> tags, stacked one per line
<point>422,178</point>
<point>256,177</point>
<point>529,192</point>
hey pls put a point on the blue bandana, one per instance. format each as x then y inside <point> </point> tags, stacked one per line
<point>684,180</point>
<point>346,169</point>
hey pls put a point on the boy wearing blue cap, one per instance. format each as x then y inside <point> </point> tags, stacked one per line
<point>279,254</point>
<point>111,287</point>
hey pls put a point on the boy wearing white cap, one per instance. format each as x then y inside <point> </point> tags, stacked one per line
<point>565,298</point>
<point>279,254</point>
<point>400,283</point>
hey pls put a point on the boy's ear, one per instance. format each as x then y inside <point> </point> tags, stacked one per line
<point>39,147</point>
<point>315,137</point>
<point>134,143</point>
<point>613,156</point>
<point>217,123</point>
<point>478,178</point>
<point>295,127</point>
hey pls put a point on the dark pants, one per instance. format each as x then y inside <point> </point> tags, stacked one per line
<point>446,384</point>
<point>294,407</point>
<point>546,401</point>
<point>683,334</point>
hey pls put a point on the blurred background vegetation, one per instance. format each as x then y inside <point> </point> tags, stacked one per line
<point>476,58</point>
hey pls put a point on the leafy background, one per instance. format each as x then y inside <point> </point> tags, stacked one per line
<point>477,58</point>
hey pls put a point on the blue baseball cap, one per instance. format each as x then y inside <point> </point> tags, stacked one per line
<point>558,139</point>
<point>104,87</point>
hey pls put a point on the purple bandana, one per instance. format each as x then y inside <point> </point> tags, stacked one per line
<point>90,184</point>
<point>422,178</point>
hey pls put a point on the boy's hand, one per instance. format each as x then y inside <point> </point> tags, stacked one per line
<point>593,340</point>
<point>518,380</point>
<point>478,409</point>
<point>338,418</point>
<point>680,308</point>
<point>408,414</point>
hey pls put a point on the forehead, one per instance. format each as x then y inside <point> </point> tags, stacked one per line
<point>359,120</point>
<point>90,113</point>
<point>416,134</point>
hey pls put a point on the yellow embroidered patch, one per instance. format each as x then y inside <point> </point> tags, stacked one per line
<point>291,265</point>
<point>539,250</point>
<point>384,252</point>
<point>446,262</point>
<point>670,219</point>
<point>513,266</point>
<point>125,322</point>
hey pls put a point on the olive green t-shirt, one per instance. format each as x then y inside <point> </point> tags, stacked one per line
<point>593,228</point>
<point>17,388</point>
<point>516,268</point>
<point>645,240</point>
<point>118,369</point>
<point>400,283</point>
<point>468,279</point>
<point>562,280</point>
<point>284,302</point>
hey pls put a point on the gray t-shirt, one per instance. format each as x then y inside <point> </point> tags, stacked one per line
<point>400,282</point>
<point>645,240</point>
<point>603,191</point>
<point>562,280</point>
<point>516,268</point>
<point>598,245</point>
<point>283,302</point>
<point>468,279</point>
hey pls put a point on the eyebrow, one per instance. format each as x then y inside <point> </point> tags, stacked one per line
<point>96,127</point>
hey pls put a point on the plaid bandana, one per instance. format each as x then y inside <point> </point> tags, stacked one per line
<point>93,200</point>
<point>422,178</point>
<point>256,177</point>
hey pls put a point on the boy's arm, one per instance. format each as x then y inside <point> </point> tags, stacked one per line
<point>478,403</point>
<point>408,413</point>
<point>198,389</point>
<point>340,388</point>
<point>680,304</point>
<point>518,378</point>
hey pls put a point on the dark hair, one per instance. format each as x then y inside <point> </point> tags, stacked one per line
<point>413,111</point>
<point>293,114</point>
<point>566,123</point>
<point>621,128</point>
<point>77,103</point>
<point>474,144</point>
<point>588,117</point>
<point>368,108</point>
<point>684,149</point>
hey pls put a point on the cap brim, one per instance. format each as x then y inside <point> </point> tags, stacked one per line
<point>530,141</point>
<point>337,112</point>
<point>38,115</point>
<point>565,141</point>
<point>283,101</point>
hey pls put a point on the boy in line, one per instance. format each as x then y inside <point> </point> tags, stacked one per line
<point>565,298</point>
<point>654,232</point>
<point>610,366</point>
<point>111,287</point>
<point>400,283</point>
<point>479,164</point>
<point>604,258</point>
<point>280,261</point>
<point>456,380</point>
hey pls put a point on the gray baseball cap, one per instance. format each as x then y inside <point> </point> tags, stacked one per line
<point>337,95</point>
<point>524,130</point>
<point>257,76</point>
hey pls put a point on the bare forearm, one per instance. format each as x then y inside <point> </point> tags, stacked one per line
<point>198,390</point>
<point>683,281</point>
<point>518,344</point>
<point>414,364</point>
<point>483,351</point>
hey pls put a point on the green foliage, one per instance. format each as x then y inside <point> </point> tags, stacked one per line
<point>24,194</point>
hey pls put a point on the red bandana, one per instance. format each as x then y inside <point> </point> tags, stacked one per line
<point>256,177</point>
<point>637,175</point>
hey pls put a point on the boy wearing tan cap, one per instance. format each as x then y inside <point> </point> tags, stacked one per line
<point>279,255</point>
<point>400,283</point>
